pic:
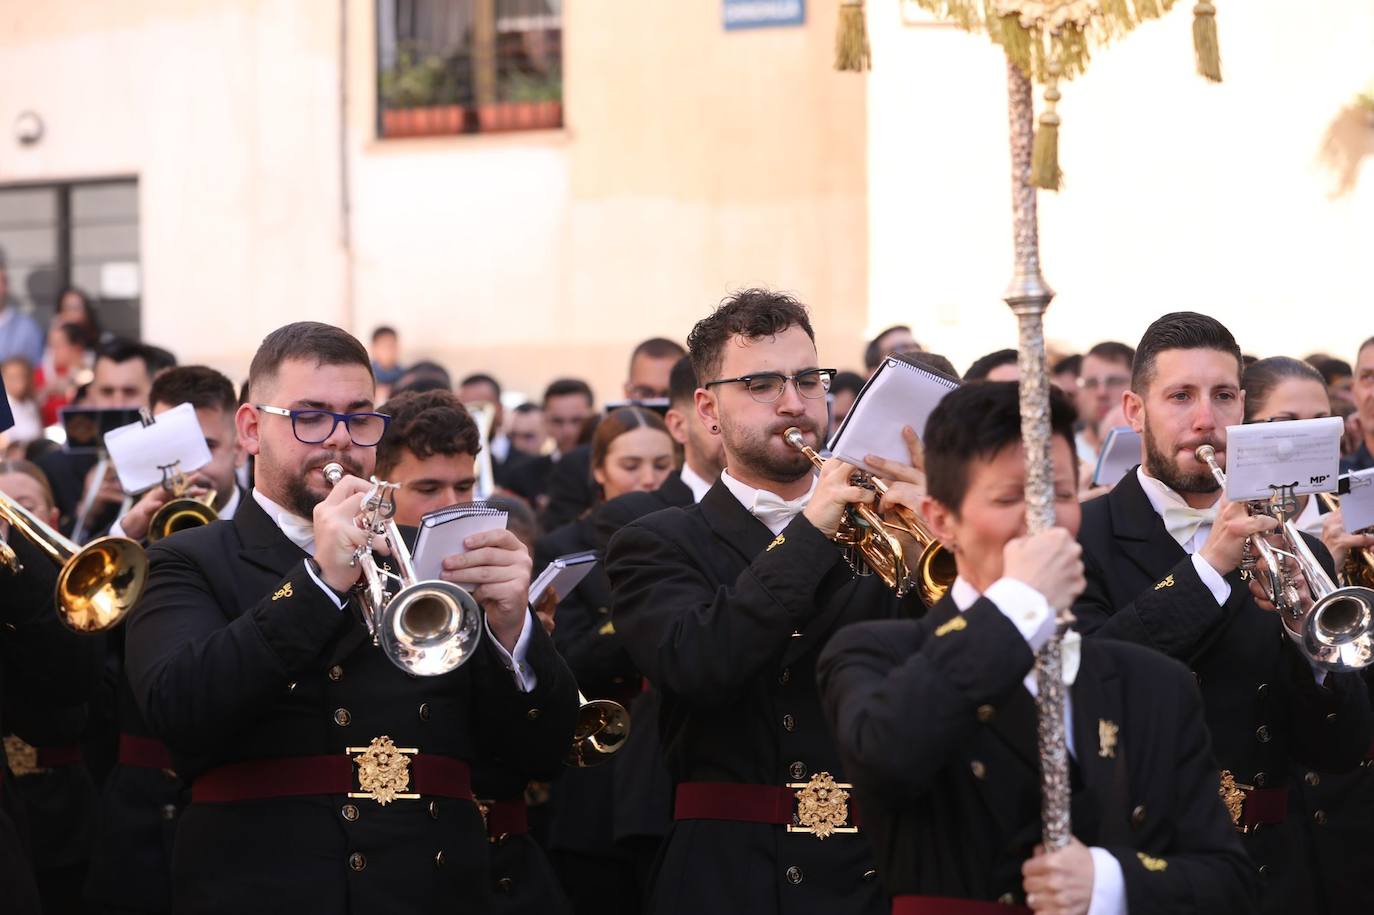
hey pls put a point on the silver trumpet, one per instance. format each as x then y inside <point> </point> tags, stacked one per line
<point>1337,631</point>
<point>426,628</point>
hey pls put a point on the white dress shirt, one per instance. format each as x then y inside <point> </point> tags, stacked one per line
<point>1160,497</point>
<point>302,534</point>
<point>695,482</point>
<point>1030,613</point>
<point>770,508</point>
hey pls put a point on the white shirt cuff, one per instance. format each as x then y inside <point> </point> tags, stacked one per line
<point>1027,609</point>
<point>1220,587</point>
<point>525,679</point>
<point>333,595</point>
<point>1109,886</point>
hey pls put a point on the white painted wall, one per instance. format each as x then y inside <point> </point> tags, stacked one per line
<point>1179,194</point>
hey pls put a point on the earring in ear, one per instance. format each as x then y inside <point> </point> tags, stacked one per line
<point>715,428</point>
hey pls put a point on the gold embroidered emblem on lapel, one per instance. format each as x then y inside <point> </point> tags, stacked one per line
<point>1168,582</point>
<point>1152,864</point>
<point>957,624</point>
<point>284,591</point>
<point>607,628</point>
<point>777,542</point>
<point>1106,738</point>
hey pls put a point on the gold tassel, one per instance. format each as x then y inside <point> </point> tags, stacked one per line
<point>1205,41</point>
<point>1045,171</point>
<point>851,38</point>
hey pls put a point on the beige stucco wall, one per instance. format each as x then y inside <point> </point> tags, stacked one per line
<point>1179,194</point>
<point>694,161</point>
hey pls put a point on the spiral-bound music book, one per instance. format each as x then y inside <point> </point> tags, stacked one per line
<point>899,394</point>
<point>442,534</point>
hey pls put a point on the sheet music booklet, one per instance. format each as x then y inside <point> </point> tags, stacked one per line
<point>899,394</point>
<point>442,534</point>
<point>1120,452</point>
<point>563,574</point>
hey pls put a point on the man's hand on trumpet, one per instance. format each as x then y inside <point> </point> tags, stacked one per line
<point>338,536</point>
<point>135,523</point>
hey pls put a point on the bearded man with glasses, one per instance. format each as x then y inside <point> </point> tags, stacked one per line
<point>323,777</point>
<point>725,605</point>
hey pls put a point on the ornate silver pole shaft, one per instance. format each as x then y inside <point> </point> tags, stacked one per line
<point>1029,297</point>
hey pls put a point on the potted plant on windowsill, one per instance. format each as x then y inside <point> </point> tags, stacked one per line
<point>532,102</point>
<point>418,99</point>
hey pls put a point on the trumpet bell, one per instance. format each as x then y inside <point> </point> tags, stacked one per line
<point>602,727</point>
<point>99,585</point>
<point>1338,632</point>
<point>936,571</point>
<point>179,515</point>
<point>429,628</point>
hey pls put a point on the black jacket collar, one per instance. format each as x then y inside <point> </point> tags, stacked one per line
<point>733,523</point>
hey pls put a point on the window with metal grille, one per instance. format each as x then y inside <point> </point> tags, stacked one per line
<point>468,66</point>
<point>82,234</point>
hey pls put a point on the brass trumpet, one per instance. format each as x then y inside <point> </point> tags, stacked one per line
<point>181,512</point>
<point>1337,631</point>
<point>97,585</point>
<point>1358,568</point>
<point>872,543</point>
<point>602,727</point>
<point>426,628</point>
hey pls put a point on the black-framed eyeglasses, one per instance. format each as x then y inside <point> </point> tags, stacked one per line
<point>766,387</point>
<point>311,427</point>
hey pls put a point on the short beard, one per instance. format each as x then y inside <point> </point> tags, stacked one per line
<point>750,447</point>
<point>295,494</point>
<point>1165,469</point>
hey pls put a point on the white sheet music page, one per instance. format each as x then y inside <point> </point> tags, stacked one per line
<point>442,534</point>
<point>898,394</point>
<point>563,574</point>
<point>1357,506</point>
<point>139,453</point>
<point>1302,453</point>
<point>1120,452</point>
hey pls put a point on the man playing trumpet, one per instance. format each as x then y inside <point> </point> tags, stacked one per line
<point>724,605</point>
<point>324,778</point>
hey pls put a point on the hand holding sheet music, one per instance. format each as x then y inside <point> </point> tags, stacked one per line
<point>443,532</point>
<point>899,394</point>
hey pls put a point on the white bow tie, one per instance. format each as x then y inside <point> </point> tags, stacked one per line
<point>1182,521</point>
<point>297,530</point>
<point>775,511</point>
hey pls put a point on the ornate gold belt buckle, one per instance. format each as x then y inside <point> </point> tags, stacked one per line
<point>383,771</point>
<point>822,806</point>
<point>1233,796</point>
<point>23,757</point>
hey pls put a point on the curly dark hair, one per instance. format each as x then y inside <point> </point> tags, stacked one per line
<point>749,313</point>
<point>425,423</point>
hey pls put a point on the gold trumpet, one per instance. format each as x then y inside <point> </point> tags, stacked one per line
<point>97,585</point>
<point>1358,568</point>
<point>181,512</point>
<point>602,727</point>
<point>874,538</point>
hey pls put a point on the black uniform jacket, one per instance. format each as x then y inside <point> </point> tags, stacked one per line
<point>236,654</point>
<point>643,788</point>
<point>1263,706</point>
<point>44,668</point>
<point>938,733</point>
<point>726,621</point>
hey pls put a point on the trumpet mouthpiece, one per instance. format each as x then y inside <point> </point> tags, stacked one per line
<point>1205,453</point>
<point>793,437</point>
<point>333,472</point>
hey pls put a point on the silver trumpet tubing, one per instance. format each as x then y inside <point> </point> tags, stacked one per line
<point>1336,632</point>
<point>426,628</point>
